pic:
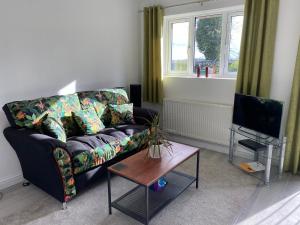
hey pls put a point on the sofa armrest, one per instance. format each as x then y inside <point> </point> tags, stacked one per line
<point>45,161</point>
<point>41,142</point>
<point>143,116</point>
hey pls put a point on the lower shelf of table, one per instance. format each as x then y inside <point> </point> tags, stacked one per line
<point>133,203</point>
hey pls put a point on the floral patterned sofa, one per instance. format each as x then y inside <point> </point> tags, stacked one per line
<point>63,165</point>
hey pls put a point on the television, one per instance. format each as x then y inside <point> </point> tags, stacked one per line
<point>258,114</point>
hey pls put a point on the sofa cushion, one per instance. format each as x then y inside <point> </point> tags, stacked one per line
<point>87,152</point>
<point>103,97</point>
<point>115,96</point>
<point>54,128</point>
<point>27,113</point>
<point>90,151</point>
<point>61,107</point>
<point>121,114</point>
<point>131,129</point>
<point>88,121</point>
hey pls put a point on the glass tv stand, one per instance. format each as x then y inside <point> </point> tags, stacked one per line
<point>268,152</point>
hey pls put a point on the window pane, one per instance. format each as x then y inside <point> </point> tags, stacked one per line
<point>180,44</point>
<point>208,34</point>
<point>235,42</point>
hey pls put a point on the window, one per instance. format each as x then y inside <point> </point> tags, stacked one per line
<point>202,42</point>
<point>235,42</point>
<point>180,45</point>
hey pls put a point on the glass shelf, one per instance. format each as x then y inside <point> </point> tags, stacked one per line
<point>267,150</point>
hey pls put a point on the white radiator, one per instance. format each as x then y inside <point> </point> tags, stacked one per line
<point>199,120</point>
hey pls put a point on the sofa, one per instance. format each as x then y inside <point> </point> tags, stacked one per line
<point>63,161</point>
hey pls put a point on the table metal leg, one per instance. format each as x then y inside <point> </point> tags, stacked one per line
<point>282,154</point>
<point>147,204</point>
<point>268,164</point>
<point>197,169</point>
<point>231,145</point>
<point>109,192</point>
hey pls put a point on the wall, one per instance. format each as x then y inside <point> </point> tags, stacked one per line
<point>287,39</point>
<point>222,90</point>
<point>46,45</point>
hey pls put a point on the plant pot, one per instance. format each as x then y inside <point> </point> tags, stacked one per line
<point>155,151</point>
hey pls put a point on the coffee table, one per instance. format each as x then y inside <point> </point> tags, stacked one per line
<point>142,203</point>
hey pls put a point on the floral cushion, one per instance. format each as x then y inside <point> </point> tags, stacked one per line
<point>27,113</point>
<point>88,121</point>
<point>100,99</point>
<point>54,128</point>
<point>100,109</point>
<point>115,96</point>
<point>62,107</point>
<point>121,114</point>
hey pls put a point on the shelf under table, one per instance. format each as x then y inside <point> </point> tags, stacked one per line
<point>133,203</point>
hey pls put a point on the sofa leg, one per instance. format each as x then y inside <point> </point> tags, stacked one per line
<point>25,184</point>
<point>64,206</point>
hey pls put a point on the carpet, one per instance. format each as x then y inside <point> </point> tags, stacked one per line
<point>222,192</point>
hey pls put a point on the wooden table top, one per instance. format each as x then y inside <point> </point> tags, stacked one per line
<point>145,171</point>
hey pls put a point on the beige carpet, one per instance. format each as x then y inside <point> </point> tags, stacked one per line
<point>222,193</point>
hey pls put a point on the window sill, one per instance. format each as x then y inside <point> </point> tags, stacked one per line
<point>199,78</point>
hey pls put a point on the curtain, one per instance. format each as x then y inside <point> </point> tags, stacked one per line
<point>292,156</point>
<point>153,22</point>
<point>257,47</point>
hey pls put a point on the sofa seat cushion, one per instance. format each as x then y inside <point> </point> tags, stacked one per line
<point>88,152</point>
<point>138,136</point>
<point>131,129</point>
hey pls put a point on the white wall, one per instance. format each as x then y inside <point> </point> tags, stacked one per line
<point>287,39</point>
<point>47,44</point>
<point>222,91</point>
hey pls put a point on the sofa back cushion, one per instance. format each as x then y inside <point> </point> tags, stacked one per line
<point>25,113</point>
<point>29,113</point>
<point>88,121</point>
<point>61,107</point>
<point>101,98</point>
<point>121,114</point>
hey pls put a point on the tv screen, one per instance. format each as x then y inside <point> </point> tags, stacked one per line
<point>258,114</point>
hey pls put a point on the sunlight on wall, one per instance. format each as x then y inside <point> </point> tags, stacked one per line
<point>68,89</point>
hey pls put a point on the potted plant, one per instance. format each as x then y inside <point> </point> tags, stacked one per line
<point>157,140</point>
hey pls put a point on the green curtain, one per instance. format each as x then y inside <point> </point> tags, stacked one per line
<point>292,156</point>
<point>153,22</point>
<point>257,47</point>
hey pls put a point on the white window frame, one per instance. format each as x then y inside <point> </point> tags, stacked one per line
<point>226,14</point>
<point>227,43</point>
<point>181,20</point>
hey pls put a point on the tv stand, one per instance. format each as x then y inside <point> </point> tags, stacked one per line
<point>260,145</point>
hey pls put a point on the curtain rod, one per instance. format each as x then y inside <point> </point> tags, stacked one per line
<point>183,4</point>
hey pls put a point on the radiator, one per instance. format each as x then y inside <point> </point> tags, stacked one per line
<point>198,120</point>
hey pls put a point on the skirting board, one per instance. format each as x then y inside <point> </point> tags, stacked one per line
<point>10,181</point>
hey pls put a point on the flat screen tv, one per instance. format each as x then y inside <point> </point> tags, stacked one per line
<point>259,114</point>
